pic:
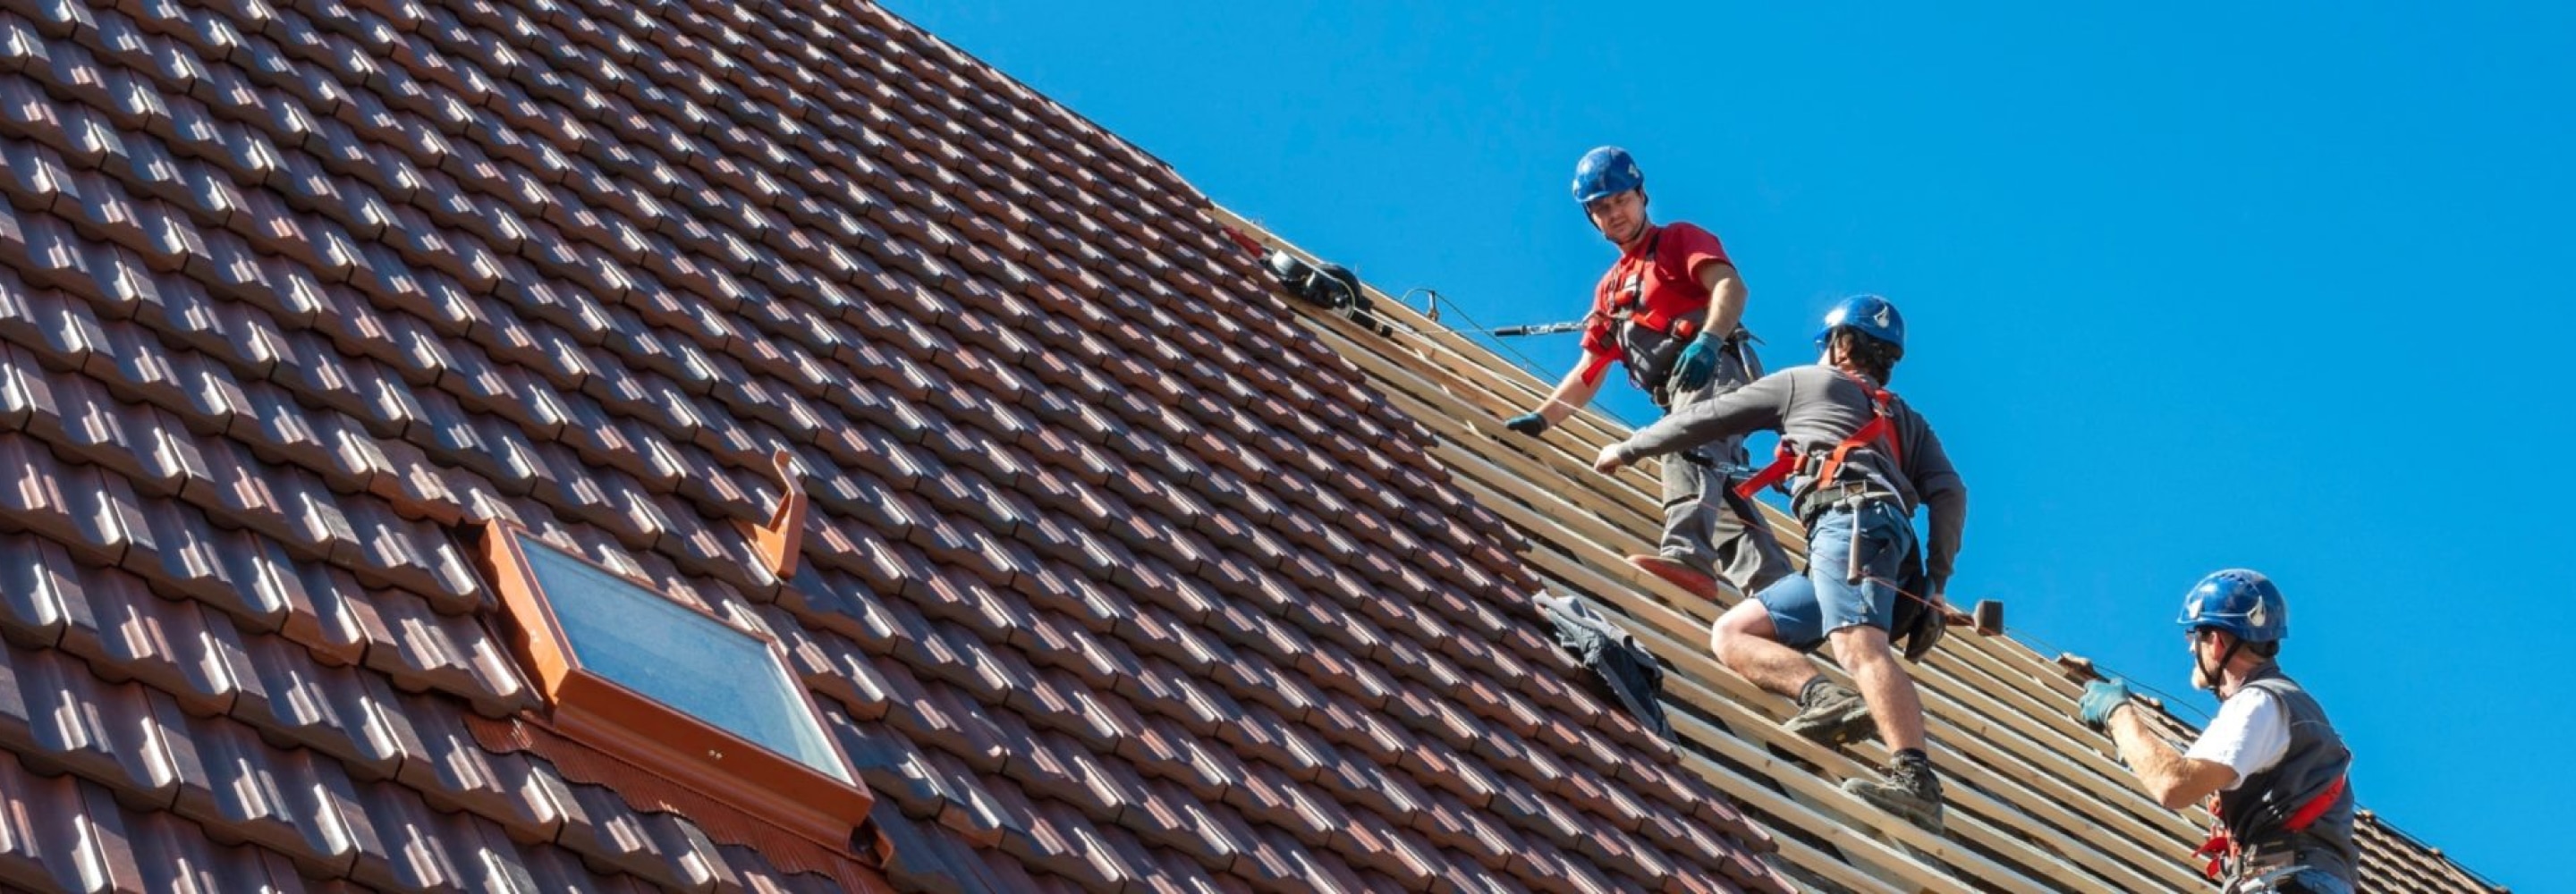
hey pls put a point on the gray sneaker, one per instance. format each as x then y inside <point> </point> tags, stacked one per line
<point>1837,716</point>
<point>1911,792</point>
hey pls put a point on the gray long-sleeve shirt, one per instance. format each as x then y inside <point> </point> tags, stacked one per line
<point>1815,408</point>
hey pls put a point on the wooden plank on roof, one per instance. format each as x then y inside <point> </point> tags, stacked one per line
<point>2029,772</point>
<point>2023,739</point>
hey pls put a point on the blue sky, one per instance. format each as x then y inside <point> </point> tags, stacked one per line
<point>2189,286</point>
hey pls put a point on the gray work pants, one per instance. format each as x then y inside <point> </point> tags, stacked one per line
<point>1705,524</point>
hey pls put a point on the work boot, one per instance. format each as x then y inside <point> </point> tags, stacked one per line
<point>1911,792</point>
<point>1832,715</point>
<point>1678,573</point>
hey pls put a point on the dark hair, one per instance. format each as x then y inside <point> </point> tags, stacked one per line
<point>2264,650</point>
<point>1874,357</point>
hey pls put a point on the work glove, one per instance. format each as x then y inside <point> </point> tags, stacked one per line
<point>1530,424</point>
<point>2101,698</point>
<point>1698,362</point>
<point>1930,625</point>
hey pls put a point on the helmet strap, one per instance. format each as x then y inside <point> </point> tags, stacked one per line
<point>2218,678</point>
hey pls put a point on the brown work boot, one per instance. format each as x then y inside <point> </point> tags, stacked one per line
<point>1678,573</point>
<point>1911,792</point>
<point>1832,715</point>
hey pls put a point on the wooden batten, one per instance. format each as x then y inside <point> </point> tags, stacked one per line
<point>2039,805</point>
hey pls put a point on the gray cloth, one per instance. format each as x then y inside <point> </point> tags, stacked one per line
<point>1631,674</point>
<point>1815,408</point>
<point>2258,808</point>
<point>1705,524</point>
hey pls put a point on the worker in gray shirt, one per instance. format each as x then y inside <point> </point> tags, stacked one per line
<point>1858,462</point>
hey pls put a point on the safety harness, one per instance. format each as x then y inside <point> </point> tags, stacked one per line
<point>1790,460</point>
<point>1650,338</point>
<point>1629,306</point>
<point>2222,849</point>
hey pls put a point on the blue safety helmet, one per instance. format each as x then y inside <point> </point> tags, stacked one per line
<point>1606,171</point>
<point>1869,315</point>
<point>2243,603</point>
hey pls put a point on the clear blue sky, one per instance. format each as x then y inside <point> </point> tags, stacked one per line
<point>2189,286</point>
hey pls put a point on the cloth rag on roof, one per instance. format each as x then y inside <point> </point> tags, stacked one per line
<point>1619,664</point>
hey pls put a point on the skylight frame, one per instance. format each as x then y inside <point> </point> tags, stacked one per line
<point>599,712</point>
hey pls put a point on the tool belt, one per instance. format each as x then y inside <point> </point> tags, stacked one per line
<point>1824,498</point>
<point>2229,858</point>
<point>2265,872</point>
<point>2267,866</point>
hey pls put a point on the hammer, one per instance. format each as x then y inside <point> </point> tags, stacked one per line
<point>1987,619</point>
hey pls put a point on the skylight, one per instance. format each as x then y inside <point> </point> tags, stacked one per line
<point>669,689</point>
<point>680,657</point>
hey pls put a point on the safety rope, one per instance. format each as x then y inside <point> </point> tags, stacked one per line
<point>1519,360</point>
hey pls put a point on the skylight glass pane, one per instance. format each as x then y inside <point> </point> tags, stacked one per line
<point>666,652</point>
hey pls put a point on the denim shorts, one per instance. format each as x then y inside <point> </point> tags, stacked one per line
<point>2291,880</point>
<point>1805,608</point>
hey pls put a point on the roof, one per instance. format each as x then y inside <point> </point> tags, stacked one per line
<point>2036,802</point>
<point>1120,577</point>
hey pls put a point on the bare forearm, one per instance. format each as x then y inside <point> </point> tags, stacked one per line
<point>1570,395</point>
<point>2160,767</point>
<point>1725,306</point>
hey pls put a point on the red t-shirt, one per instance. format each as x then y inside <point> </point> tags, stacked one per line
<point>1663,281</point>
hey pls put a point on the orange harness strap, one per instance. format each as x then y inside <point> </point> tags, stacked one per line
<point>1789,458</point>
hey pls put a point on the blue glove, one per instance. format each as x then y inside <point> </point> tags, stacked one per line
<point>1527,423</point>
<point>2101,697</point>
<point>1698,361</point>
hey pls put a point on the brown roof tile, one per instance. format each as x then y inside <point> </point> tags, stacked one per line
<point>1071,519</point>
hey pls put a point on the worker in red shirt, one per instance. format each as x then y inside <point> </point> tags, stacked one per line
<point>1669,310</point>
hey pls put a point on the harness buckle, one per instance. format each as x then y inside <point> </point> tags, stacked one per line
<point>1849,494</point>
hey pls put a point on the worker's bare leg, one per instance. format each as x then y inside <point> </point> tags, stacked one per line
<point>1747,644</point>
<point>1892,700</point>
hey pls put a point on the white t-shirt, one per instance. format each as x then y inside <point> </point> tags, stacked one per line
<point>2251,734</point>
